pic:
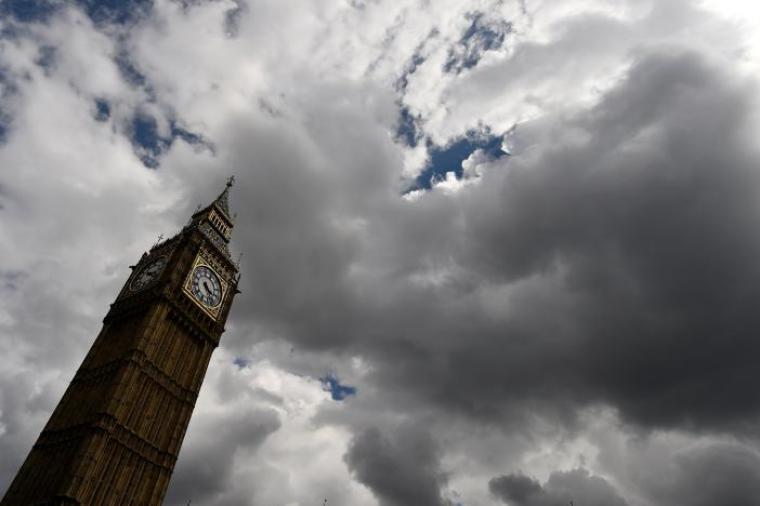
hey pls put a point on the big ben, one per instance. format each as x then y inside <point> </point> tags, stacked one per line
<point>116,433</point>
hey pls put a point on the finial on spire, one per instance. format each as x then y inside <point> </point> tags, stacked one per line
<point>222,200</point>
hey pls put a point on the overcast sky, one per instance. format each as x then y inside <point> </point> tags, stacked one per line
<point>493,251</point>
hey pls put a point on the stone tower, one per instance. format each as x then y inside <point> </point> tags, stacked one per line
<point>115,435</point>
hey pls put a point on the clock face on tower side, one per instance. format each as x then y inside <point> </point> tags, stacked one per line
<point>148,274</point>
<point>206,287</point>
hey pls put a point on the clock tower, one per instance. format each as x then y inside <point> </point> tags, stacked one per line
<point>115,435</point>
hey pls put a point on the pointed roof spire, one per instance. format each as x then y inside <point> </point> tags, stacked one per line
<point>222,201</point>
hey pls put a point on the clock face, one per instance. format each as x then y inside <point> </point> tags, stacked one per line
<point>148,274</point>
<point>206,286</point>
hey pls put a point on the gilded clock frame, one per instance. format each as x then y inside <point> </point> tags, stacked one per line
<point>215,311</point>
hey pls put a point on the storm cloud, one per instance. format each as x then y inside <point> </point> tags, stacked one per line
<point>616,262</point>
<point>562,488</point>
<point>401,470</point>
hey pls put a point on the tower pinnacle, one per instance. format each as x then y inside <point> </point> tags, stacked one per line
<point>222,201</point>
<point>115,435</point>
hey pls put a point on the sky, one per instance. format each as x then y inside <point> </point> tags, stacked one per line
<point>493,252</point>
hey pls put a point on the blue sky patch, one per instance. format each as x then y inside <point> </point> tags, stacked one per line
<point>449,158</point>
<point>414,62</point>
<point>338,392</point>
<point>28,11</point>
<point>5,122</point>
<point>411,67</point>
<point>407,130</point>
<point>102,109</point>
<point>232,18</point>
<point>12,280</point>
<point>241,362</point>
<point>481,36</point>
<point>188,136</point>
<point>46,58</point>
<point>128,70</point>
<point>100,11</point>
<point>149,145</point>
<point>7,88</point>
<point>116,11</point>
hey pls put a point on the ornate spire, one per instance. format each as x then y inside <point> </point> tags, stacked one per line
<point>222,201</point>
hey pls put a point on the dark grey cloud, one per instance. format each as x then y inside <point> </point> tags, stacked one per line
<point>624,241</point>
<point>203,472</point>
<point>721,473</point>
<point>401,468</point>
<point>561,489</point>
<point>639,212</point>
<point>612,262</point>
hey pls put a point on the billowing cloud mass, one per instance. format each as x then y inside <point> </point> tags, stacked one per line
<point>399,471</point>
<point>562,488</point>
<point>493,252</point>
